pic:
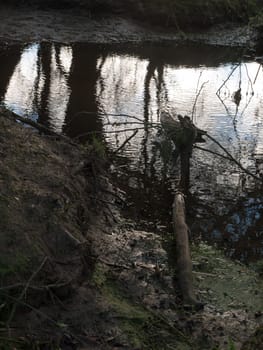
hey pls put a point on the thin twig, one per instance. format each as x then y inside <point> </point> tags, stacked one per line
<point>106,114</point>
<point>250,81</point>
<point>37,288</point>
<point>163,320</point>
<point>23,293</point>
<point>224,82</point>
<point>123,123</point>
<point>196,97</point>
<point>125,142</point>
<point>198,81</point>
<point>212,152</point>
<point>45,316</point>
<point>114,131</point>
<point>257,74</point>
<point>37,311</point>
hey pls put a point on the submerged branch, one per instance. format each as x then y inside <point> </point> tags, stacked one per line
<point>125,142</point>
<point>196,97</point>
<point>224,82</point>
<point>114,131</point>
<point>254,82</point>
<point>106,114</point>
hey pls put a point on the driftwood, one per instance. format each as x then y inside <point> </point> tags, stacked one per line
<point>182,131</point>
<point>183,256</point>
<point>184,135</point>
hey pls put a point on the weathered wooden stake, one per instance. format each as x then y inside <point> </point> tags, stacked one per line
<point>184,262</point>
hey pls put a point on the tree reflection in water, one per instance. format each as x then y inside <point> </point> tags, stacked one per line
<point>58,84</point>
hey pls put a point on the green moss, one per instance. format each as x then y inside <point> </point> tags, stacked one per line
<point>226,283</point>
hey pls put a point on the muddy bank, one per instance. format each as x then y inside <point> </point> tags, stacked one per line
<point>50,205</point>
<point>178,14</point>
<point>75,275</point>
<point>69,26</point>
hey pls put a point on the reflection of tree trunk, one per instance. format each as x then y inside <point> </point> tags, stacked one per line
<point>147,96</point>
<point>36,89</point>
<point>147,99</point>
<point>160,87</point>
<point>152,67</point>
<point>8,61</point>
<point>100,79</point>
<point>83,84</point>
<point>45,53</point>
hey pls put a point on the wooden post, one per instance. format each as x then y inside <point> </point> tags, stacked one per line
<point>183,256</point>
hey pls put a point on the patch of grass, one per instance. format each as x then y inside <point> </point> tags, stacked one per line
<point>231,345</point>
<point>230,284</point>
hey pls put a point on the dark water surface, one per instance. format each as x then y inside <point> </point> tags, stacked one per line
<point>77,89</point>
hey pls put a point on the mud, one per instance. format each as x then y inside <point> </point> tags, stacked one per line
<point>69,26</point>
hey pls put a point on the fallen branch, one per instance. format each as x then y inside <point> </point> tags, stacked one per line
<point>125,142</point>
<point>196,98</point>
<point>88,133</point>
<point>40,127</point>
<point>224,82</point>
<point>23,293</point>
<point>46,317</point>
<point>212,152</point>
<point>103,115</point>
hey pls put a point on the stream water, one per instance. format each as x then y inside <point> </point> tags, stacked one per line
<point>110,91</point>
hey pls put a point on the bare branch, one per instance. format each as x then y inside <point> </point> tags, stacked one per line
<point>125,142</point>
<point>196,97</point>
<point>257,74</point>
<point>212,152</point>
<point>224,82</point>
<point>23,293</point>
